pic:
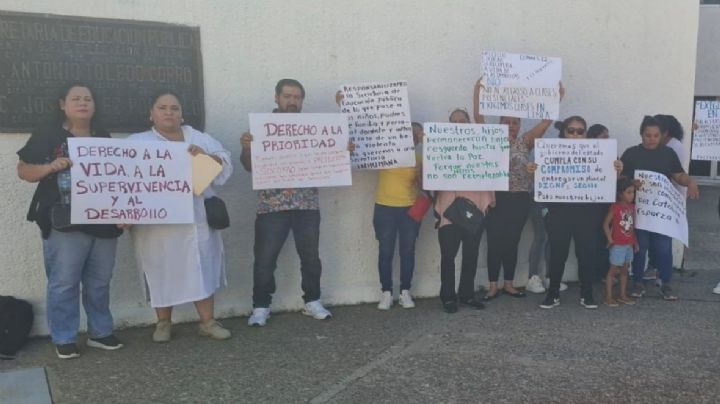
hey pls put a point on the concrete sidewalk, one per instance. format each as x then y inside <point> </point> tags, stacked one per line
<point>511,352</point>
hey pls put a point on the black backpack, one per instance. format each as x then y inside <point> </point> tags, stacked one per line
<point>16,319</point>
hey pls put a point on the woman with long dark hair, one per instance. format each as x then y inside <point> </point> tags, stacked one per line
<point>74,255</point>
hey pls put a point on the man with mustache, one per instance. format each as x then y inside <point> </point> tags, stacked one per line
<point>278,212</point>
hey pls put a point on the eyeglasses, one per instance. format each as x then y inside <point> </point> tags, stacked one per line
<point>573,131</point>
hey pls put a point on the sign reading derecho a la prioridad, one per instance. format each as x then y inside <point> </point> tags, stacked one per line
<point>379,121</point>
<point>130,182</point>
<point>465,157</point>
<point>299,150</point>
<point>660,207</point>
<point>706,138</point>
<point>575,170</point>
<point>523,86</point>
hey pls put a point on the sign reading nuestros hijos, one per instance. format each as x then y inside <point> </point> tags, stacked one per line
<point>299,150</point>
<point>466,157</point>
<point>130,182</point>
<point>575,170</point>
<point>523,86</point>
<point>660,207</point>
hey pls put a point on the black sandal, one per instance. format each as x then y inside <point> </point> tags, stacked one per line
<point>487,298</point>
<point>514,294</point>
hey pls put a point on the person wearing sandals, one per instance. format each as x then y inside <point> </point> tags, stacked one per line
<point>572,221</point>
<point>652,155</point>
<point>619,230</point>
<point>83,254</point>
<point>505,220</point>
<point>452,235</point>
<point>182,263</point>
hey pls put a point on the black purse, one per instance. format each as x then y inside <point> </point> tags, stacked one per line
<point>216,213</point>
<point>465,214</point>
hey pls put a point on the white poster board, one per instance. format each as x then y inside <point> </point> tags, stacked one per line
<point>706,138</point>
<point>466,157</point>
<point>523,86</point>
<point>379,120</point>
<point>299,150</point>
<point>575,170</point>
<point>130,181</point>
<point>660,207</point>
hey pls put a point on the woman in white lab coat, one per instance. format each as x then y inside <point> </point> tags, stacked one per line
<point>182,262</point>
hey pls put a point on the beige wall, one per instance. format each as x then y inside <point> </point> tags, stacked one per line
<point>610,52</point>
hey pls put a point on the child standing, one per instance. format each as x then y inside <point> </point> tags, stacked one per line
<point>619,227</point>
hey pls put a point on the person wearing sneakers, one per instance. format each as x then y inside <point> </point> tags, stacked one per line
<point>278,212</point>
<point>652,155</point>
<point>182,263</point>
<point>83,254</point>
<point>572,221</point>
<point>452,235</point>
<point>619,229</point>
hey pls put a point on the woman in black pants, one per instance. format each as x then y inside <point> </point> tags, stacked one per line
<point>577,221</point>
<point>506,220</point>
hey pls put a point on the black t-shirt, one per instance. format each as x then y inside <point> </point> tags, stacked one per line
<point>662,160</point>
<point>44,146</point>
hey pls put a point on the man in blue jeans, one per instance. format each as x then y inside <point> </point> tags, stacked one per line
<point>278,212</point>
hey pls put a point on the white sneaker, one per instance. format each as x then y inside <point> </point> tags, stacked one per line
<point>386,301</point>
<point>406,300</point>
<point>563,285</point>
<point>717,289</point>
<point>259,317</point>
<point>535,285</point>
<point>316,310</point>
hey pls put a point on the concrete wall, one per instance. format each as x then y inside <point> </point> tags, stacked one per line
<point>707,82</point>
<point>612,71</point>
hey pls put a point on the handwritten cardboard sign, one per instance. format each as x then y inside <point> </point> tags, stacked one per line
<point>129,181</point>
<point>575,170</point>
<point>379,120</point>
<point>466,157</point>
<point>706,138</point>
<point>660,207</point>
<point>523,86</point>
<point>299,150</point>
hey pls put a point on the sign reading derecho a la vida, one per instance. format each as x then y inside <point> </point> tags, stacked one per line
<point>465,157</point>
<point>660,207</point>
<point>130,182</point>
<point>575,170</point>
<point>379,120</point>
<point>523,86</point>
<point>706,138</point>
<point>299,150</point>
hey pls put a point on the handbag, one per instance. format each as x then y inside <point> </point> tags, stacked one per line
<point>465,214</point>
<point>417,211</point>
<point>216,213</point>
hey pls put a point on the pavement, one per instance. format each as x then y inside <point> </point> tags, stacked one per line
<point>511,352</point>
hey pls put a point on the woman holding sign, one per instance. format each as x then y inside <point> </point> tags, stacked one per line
<point>451,235</point>
<point>506,220</point>
<point>74,255</point>
<point>652,155</point>
<point>572,221</point>
<point>183,262</point>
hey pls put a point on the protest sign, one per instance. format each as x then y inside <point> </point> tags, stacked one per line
<point>706,138</point>
<point>299,150</point>
<point>575,170</point>
<point>523,86</point>
<point>660,207</point>
<point>466,157</point>
<point>379,120</point>
<point>130,181</point>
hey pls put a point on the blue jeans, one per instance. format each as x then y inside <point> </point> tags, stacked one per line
<point>659,247</point>
<point>70,259</point>
<point>271,231</point>
<point>390,223</point>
